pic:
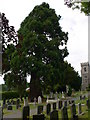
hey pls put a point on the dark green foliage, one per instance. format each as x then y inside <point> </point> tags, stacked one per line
<point>9,94</point>
<point>82,6</point>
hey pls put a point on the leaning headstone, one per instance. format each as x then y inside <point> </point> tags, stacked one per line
<point>39,117</point>
<point>48,108</point>
<point>39,100</point>
<point>73,111</point>
<point>59,104</point>
<point>1,113</point>
<point>79,108</point>
<point>26,113</point>
<point>40,109</point>
<point>64,113</point>
<point>54,106</point>
<point>9,107</point>
<point>54,115</point>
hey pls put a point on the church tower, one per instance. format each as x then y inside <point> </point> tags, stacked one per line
<point>85,74</point>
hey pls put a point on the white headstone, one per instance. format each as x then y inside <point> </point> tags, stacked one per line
<point>1,113</point>
<point>63,95</point>
<point>39,100</point>
<point>26,102</point>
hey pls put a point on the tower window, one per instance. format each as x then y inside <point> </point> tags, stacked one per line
<point>85,69</point>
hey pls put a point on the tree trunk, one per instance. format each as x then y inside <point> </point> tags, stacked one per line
<point>35,89</point>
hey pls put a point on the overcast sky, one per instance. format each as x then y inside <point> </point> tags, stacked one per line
<point>72,21</point>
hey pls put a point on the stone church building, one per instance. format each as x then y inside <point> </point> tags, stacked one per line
<point>85,74</point>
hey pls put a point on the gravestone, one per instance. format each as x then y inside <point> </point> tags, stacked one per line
<point>39,117</point>
<point>1,113</point>
<point>88,104</point>
<point>56,96</point>
<point>25,101</point>
<point>54,115</point>
<point>59,104</point>
<point>63,95</point>
<point>73,111</point>
<point>39,109</point>
<point>9,107</point>
<point>64,113</point>
<point>54,106</point>
<point>39,100</point>
<point>35,101</point>
<point>48,108</point>
<point>51,94</point>
<point>17,103</point>
<point>26,113</point>
<point>79,108</point>
<point>65,103</point>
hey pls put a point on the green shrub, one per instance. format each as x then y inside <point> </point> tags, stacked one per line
<point>9,94</point>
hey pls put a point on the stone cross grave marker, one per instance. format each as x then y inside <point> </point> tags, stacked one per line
<point>39,100</point>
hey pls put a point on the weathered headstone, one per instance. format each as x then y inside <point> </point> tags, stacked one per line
<point>54,106</point>
<point>1,113</point>
<point>26,113</point>
<point>40,109</point>
<point>64,113</point>
<point>54,115</point>
<point>48,108</point>
<point>9,107</point>
<point>59,104</point>
<point>39,117</point>
<point>39,100</point>
<point>79,108</point>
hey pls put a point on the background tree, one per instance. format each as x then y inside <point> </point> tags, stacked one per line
<point>41,38</point>
<point>9,45</point>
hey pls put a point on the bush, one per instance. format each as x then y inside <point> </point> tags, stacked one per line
<point>9,94</point>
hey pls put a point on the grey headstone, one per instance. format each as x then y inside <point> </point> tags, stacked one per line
<point>39,100</point>
<point>1,113</point>
<point>26,113</point>
<point>39,117</point>
<point>48,108</point>
<point>64,113</point>
<point>79,108</point>
<point>54,115</point>
<point>40,109</point>
<point>9,107</point>
<point>54,106</point>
